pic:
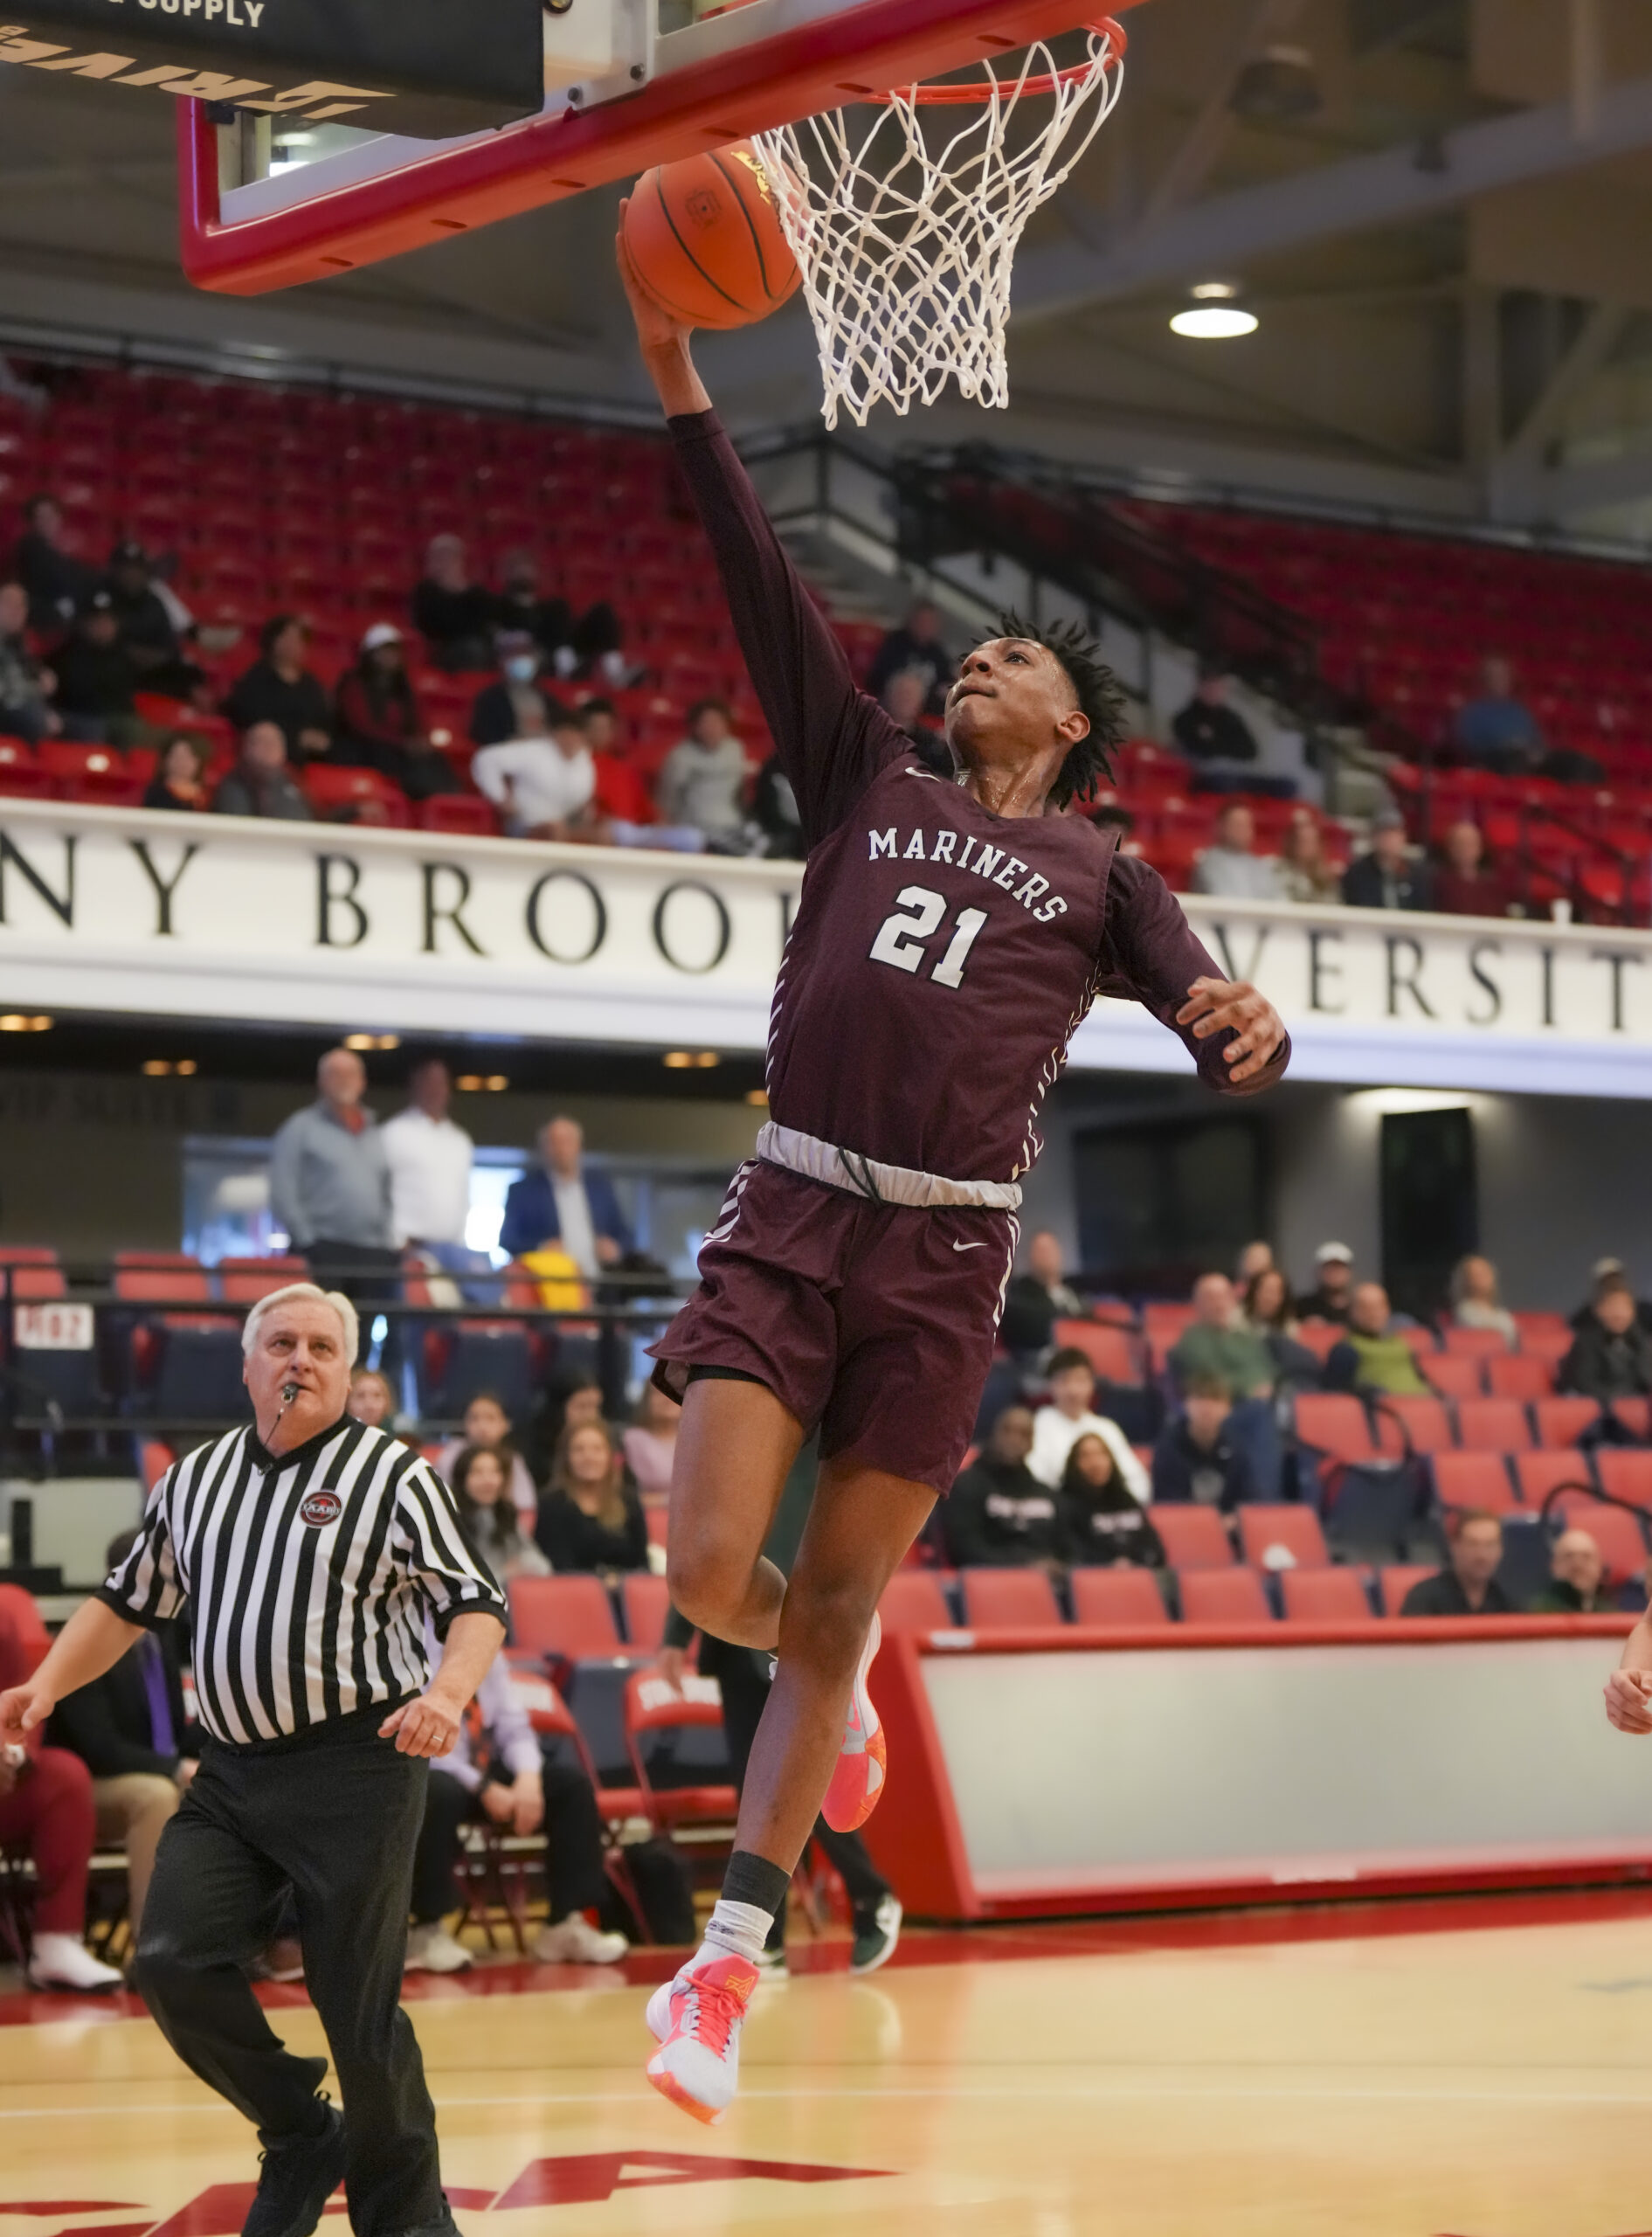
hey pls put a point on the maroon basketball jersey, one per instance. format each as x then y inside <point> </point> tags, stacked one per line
<point>941,957</point>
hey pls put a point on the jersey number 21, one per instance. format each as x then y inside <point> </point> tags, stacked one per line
<point>903,935</point>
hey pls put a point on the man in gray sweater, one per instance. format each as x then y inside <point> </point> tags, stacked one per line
<point>329,1183</point>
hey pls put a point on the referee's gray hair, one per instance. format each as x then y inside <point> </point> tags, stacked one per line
<point>307,1294</point>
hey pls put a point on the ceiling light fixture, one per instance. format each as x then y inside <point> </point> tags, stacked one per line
<point>1215,315</point>
<point>758,1097</point>
<point>163,1068</point>
<point>677,1060</point>
<point>360,1042</point>
<point>15,1021</point>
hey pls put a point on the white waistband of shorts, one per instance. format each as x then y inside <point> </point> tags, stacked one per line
<point>878,1183</point>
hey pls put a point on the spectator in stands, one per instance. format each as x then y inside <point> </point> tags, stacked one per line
<point>1111,815</point>
<point>373,1401</point>
<point>916,645</point>
<point>1230,869</point>
<point>496,1773</point>
<point>564,1200</point>
<point>774,810</point>
<point>58,583</point>
<point>26,686</point>
<point>179,782</point>
<point>481,1480</point>
<point>261,782</point>
<point>47,1814</point>
<point>97,678</point>
<point>381,724</point>
<point>590,1518</point>
<point>1605,1269</point>
<point>1215,735</point>
<point>1268,1313</point>
<point>1035,1301</point>
<point>279,687</point>
<point>1106,1525</point>
<point>1333,1289</point>
<point>905,697</point>
<point>650,1444</point>
<point>147,627</point>
<point>1217,1345</point>
<point>1373,1354</point>
<point>1496,730</point>
<point>329,1182</point>
<point>1476,1302</point>
<point>487,1423</point>
<point>1611,1355</point>
<point>1467,883</point>
<point>541,782</point>
<point>1468,1586</point>
<point>702,781</point>
<point>1070,1415</point>
<point>513,706</point>
<point>998,1515</point>
<point>1255,1258</point>
<point>1577,1579</point>
<point>129,1730</point>
<point>1386,877</point>
<point>429,1157</point>
<point>573,644</point>
<point>453,615</point>
<point>1305,875</point>
<point>1197,1456</point>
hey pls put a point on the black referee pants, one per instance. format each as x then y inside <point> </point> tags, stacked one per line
<point>337,1816</point>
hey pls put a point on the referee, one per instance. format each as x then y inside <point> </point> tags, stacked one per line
<point>309,1549</point>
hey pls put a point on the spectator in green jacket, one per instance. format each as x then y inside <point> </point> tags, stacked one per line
<point>1219,1347</point>
<point>1374,1355</point>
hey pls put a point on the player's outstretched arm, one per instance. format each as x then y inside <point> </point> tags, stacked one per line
<point>1629,1690</point>
<point>663,340</point>
<point>1233,1006</point>
<point>1150,952</point>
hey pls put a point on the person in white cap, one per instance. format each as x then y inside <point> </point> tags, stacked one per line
<point>381,724</point>
<point>1332,1295</point>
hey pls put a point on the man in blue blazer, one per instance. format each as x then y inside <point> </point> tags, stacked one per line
<point>562,1204</point>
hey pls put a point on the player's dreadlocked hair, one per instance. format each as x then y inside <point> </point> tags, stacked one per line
<point>1090,762</point>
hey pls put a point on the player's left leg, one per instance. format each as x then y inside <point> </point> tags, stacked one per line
<point>860,1527</point>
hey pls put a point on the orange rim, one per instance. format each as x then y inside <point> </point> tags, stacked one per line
<point>980,90</point>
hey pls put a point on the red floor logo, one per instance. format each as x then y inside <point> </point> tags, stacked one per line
<point>575,2178</point>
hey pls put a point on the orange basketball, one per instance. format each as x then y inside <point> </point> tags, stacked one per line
<point>706,239</point>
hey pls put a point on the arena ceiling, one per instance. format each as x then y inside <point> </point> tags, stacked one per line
<point>1438,220</point>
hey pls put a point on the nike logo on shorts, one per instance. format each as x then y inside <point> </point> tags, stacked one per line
<point>969,1246</point>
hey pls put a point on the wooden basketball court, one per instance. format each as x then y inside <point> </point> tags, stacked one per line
<point>1428,2071</point>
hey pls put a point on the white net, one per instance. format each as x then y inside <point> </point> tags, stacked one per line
<point>906,254</point>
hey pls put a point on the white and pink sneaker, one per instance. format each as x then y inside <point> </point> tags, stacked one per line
<point>697,2017</point>
<point>858,1776</point>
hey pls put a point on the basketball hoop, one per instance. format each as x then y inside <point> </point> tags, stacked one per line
<point>907,255</point>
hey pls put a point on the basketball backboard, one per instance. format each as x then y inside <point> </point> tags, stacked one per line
<point>270,204</point>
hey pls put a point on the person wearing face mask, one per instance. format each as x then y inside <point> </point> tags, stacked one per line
<point>514,706</point>
<point>574,644</point>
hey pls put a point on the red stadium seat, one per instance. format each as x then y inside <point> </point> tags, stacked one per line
<point>1537,1474</point>
<point>1493,1425</point>
<point>1296,1529</point>
<point>914,1600</point>
<point>1522,1376</point>
<point>466,813</point>
<point>1625,1474</point>
<point>1635,1414</point>
<point>1475,1343</point>
<point>1422,1340</point>
<point>1111,1351</point>
<point>1425,1421</point>
<point>1394,1581</point>
<point>1223,1596</point>
<point>564,1615</point>
<point>161,1278</point>
<point>1328,1596</point>
<point>655,1711</point>
<point>1009,1600</point>
<point>243,1281</point>
<point>1334,1424</point>
<point>1119,1596</point>
<point>1453,1376</point>
<point>1549,1334</point>
<point>644,1598</point>
<point>1194,1537</point>
<point>1466,1481</point>
<point>21,775</point>
<point>30,1270</point>
<point>95,774</point>
<point>1561,1421</point>
<point>1320,1337</point>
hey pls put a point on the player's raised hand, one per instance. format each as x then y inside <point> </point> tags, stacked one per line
<point>1214,1005</point>
<point>656,328</point>
<point>1628,1701</point>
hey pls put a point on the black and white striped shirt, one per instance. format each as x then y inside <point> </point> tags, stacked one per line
<point>309,1577</point>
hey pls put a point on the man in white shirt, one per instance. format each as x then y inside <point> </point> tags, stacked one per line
<point>543,782</point>
<point>430,1158</point>
<point>1230,869</point>
<point>1058,1427</point>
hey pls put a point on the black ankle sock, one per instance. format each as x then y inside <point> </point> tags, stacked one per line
<point>753,1879</point>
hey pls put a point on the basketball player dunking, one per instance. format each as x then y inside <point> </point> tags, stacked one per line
<point>948,941</point>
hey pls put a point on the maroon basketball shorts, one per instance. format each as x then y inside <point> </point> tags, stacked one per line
<point>873,1323</point>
